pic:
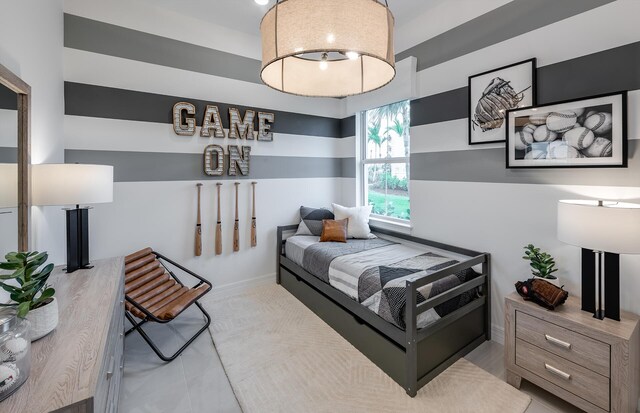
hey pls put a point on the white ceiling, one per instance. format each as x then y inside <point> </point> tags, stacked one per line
<point>245,15</point>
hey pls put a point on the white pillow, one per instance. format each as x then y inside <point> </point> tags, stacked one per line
<point>358,226</point>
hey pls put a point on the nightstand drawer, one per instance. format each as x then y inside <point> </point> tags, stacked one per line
<point>575,347</point>
<point>576,379</point>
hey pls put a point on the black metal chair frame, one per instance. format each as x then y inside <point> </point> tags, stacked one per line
<point>150,317</point>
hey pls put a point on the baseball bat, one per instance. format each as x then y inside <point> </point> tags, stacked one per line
<point>219,225</point>
<point>198,227</point>
<point>254,235</point>
<point>236,226</point>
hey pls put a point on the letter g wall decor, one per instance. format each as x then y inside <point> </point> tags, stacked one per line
<point>184,124</point>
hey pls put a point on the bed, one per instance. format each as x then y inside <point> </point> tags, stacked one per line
<point>411,305</point>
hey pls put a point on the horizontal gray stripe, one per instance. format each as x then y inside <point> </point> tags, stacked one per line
<point>98,37</point>
<point>488,165</point>
<point>511,20</point>
<point>598,73</point>
<point>348,167</point>
<point>442,107</point>
<point>348,127</point>
<point>104,102</point>
<point>157,166</point>
<point>8,154</point>
<point>8,98</point>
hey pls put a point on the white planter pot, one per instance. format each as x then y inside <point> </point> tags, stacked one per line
<point>554,281</point>
<point>43,320</point>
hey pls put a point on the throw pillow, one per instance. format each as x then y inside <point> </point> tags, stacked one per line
<point>334,231</point>
<point>311,220</point>
<point>358,220</point>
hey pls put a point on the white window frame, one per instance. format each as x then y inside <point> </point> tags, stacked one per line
<point>363,161</point>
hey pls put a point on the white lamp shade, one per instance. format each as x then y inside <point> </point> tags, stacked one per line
<point>609,227</point>
<point>69,184</point>
<point>361,31</point>
<point>8,185</point>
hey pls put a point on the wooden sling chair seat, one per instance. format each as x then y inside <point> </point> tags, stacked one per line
<point>154,293</point>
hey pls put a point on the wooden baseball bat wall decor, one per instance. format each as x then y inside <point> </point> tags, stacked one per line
<point>198,249</point>
<point>254,235</point>
<point>236,226</point>
<point>218,225</point>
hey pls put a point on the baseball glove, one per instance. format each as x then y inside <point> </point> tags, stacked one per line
<point>498,97</point>
<point>542,293</point>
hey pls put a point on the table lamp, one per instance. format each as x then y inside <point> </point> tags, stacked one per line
<point>8,185</point>
<point>603,229</point>
<point>73,184</point>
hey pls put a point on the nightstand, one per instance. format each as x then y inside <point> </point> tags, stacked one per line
<point>593,364</point>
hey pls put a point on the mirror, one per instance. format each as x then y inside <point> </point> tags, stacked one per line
<point>8,170</point>
<point>15,157</point>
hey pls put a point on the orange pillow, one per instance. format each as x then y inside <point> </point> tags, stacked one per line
<point>334,231</point>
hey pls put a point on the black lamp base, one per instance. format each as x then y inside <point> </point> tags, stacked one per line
<point>601,270</point>
<point>77,239</point>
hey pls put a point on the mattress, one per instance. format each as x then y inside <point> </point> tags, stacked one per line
<point>374,272</point>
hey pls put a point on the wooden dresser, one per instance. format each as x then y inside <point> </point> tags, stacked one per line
<point>593,364</point>
<point>77,368</point>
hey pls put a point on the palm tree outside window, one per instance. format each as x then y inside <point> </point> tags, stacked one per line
<point>385,161</point>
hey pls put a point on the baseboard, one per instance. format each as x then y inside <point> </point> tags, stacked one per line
<point>244,284</point>
<point>497,334</point>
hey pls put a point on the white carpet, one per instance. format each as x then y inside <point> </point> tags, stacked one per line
<point>280,357</point>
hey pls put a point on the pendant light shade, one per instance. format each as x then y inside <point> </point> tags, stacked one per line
<point>328,48</point>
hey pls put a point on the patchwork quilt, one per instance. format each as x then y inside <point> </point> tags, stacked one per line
<point>374,272</point>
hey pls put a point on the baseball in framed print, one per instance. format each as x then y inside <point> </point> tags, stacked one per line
<point>493,93</point>
<point>589,132</point>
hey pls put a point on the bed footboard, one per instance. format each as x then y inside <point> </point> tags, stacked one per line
<point>415,378</point>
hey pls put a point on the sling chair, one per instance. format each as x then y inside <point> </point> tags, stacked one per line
<point>154,293</point>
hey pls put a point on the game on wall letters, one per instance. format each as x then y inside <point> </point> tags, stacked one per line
<point>240,127</point>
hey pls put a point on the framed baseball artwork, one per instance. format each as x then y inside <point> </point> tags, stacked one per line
<point>493,93</point>
<point>586,133</point>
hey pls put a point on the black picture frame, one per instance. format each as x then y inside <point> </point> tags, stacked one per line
<point>471,104</point>
<point>582,161</point>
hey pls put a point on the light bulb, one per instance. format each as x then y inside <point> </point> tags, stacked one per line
<point>323,61</point>
<point>331,38</point>
<point>352,55</point>
<point>262,2</point>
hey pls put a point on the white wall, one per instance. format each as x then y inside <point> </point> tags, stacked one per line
<point>501,218</point>
<point>163,214</point>
<point>31,47</point>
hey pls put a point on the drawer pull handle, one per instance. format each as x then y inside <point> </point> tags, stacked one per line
<point>557,342</point>
<point>112,362</point>
<point>557,372</point>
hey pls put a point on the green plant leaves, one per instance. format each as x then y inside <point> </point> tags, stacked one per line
<point>542,263</point>
<point>30,281</point>
<point>23,309</point>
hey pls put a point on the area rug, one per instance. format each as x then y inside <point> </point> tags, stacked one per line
<point>281,357</point>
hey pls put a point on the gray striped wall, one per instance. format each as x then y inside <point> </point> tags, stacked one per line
<point>511,20</point>
<point>160,166</point>
<point>105,102</point>
<point>598,73</point>
<point>602,72</point>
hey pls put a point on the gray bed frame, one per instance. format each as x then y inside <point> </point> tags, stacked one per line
<point>411,357</point>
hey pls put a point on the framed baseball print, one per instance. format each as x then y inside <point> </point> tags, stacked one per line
<point>493,93</point>
<point>590,132</point>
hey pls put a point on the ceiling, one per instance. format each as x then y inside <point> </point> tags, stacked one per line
<point>245,15</point>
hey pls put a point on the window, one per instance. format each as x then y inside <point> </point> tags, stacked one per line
<point>385,160</point>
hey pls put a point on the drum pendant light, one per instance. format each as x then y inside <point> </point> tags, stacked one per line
<point>327,48</point>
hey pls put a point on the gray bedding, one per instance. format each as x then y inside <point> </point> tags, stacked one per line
<point>374,273</point>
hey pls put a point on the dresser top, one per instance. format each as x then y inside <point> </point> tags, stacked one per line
<point>571,312</point>
<point>65,364</point>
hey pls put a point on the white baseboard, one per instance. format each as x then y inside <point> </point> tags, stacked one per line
<point>497,334</point>
<point>244,284</point>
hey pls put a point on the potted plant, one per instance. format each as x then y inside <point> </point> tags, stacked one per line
<point>28,289</point>
<point>542,264</point>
